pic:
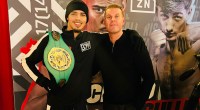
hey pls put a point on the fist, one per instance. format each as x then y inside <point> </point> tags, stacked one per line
<point>159,40</point>
<point>183,42</point>
<point>158,37</point>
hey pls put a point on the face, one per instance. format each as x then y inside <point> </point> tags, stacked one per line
<point>114,20</point>
<point>173,21</point>
<point>76,20</point>
<point>96,13</point>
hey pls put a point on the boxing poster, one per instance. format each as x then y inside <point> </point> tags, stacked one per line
<point>170,29</point>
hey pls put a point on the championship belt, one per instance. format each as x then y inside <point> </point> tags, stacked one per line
<point>58,58</point>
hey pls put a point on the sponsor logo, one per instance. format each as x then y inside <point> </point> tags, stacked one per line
<point>143,6</point>
<point>85,46</point>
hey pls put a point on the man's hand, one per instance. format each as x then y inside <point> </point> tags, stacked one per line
<point>49,85</point>
<point>183,42</point>
<point>52,83</point>
<point>159,39</point>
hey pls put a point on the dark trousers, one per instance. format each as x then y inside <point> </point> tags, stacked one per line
<point>77,106</point>
<point>107,106</point>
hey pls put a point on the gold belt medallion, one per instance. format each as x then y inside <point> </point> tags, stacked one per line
<point>59,59</point>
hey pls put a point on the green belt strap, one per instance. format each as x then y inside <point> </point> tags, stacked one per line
<point>58,58</point>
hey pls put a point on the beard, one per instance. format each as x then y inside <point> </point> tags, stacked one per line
<point>76,30</point>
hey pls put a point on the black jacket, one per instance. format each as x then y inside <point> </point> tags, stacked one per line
<point>78,86</point>
<point>134,78</point>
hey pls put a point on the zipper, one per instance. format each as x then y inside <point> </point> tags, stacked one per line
<point>113,47</point>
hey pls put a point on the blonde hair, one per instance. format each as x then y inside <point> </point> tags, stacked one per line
<point>114,6</point>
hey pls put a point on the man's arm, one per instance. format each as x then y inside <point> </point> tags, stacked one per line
<point>33,57</point>
<point>145,68</point>
<point>190,39</point>
<point>194,36</point>
<point>158,39</point>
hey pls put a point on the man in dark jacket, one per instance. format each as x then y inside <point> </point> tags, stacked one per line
<point>69,59</point>
<point>130,89</point>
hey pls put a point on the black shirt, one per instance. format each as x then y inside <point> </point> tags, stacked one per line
<point>134,78</point>
<point>78,85</point>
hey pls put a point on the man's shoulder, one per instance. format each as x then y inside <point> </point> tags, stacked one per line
<point>96,35</point>
<point>90,34</point>
<point>194,27</point>
<point>194,31</point>
<point>132,34</point>
<point>130,30</point>
<point>136,41</point>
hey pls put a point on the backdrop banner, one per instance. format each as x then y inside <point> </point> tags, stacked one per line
<point>170,29</point>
